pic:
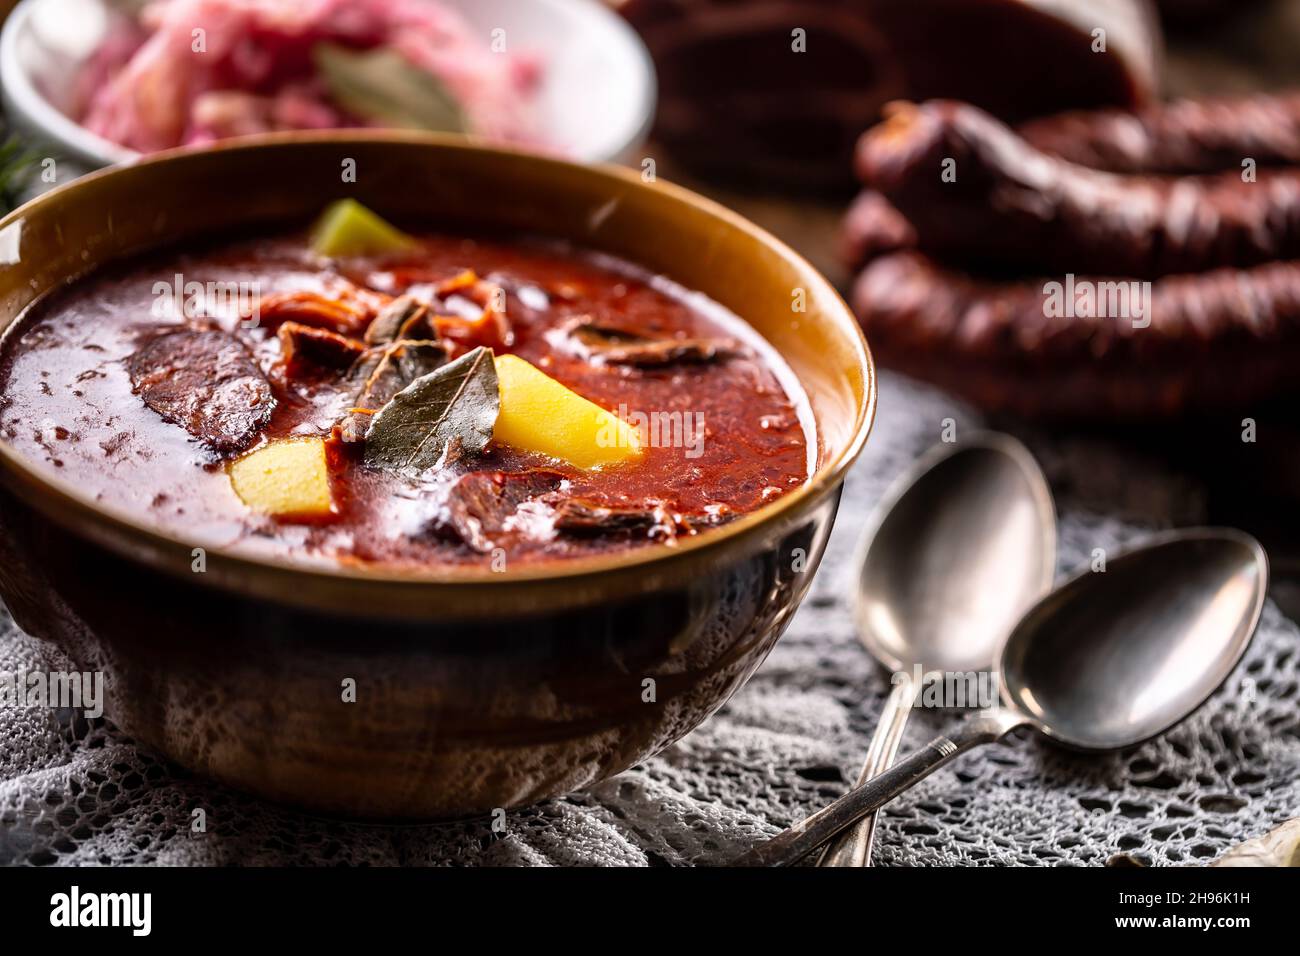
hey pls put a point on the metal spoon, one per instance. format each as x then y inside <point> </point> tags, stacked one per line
<point>967,543</point>
<point>1106,661</point>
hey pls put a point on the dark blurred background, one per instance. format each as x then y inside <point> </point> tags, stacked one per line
<point>1209,48</point>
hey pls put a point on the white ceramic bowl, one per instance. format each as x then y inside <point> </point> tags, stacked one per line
<point>596,102</point>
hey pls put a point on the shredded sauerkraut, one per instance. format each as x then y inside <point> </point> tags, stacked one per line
<point>195,71</point>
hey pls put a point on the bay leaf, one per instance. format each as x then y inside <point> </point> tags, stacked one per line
<point>454,407</point>
<point>380,373</point>
<point>388,324</point>
<point>383,86</point>
<point>411,360</point>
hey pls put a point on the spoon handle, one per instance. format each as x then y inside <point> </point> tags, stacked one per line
<point>805,836</point>
<point>853,848</point>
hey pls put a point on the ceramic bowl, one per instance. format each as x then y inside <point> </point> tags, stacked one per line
<point>474,690</point>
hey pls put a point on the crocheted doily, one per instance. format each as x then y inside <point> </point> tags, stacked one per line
<point>78,791</point>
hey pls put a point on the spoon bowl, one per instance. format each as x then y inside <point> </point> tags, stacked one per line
<point>967,542</point>
<point>1112,658</point>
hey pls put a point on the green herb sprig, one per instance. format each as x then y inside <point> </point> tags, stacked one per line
<point>17,164</point>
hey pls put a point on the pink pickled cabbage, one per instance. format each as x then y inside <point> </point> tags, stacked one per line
<point>148,89</point>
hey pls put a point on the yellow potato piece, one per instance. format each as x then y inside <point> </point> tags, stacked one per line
<point>347,228</point>
<point>541,415</point>
<point>287,478</point>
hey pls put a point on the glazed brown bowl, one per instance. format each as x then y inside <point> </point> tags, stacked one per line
<point>474,690</point>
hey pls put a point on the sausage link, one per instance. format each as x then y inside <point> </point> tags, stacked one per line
<point>1178,137</point>
<point>871,228</point>
<point>1226,338</point>
<point>979,195</point>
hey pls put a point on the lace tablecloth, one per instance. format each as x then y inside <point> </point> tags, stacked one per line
<point>77,791</point>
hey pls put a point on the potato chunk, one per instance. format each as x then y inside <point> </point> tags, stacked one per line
<point>287,478</point>
<point>539,414</point>
<point>347,228</point>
